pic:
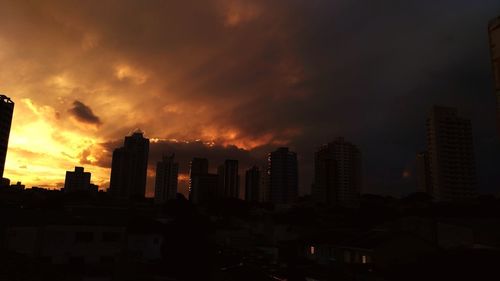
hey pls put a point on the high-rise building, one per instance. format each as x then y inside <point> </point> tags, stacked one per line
<point>283,176</point>
<point>229,180</point>
<point>451,164</point>
<point>167,172</point>
<point>494,32</point>
<point>203,188</point>
<point>337,174</point>
<point>77,181</point>
<point>129,168</point>
<point>253,184</point>
<point>264,184</point>
<point>423,176</point>
<point>6,111</point>
<point>202,185</point>
<point>198,166</point>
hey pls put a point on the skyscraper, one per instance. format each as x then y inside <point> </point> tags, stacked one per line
<point>202,185</point>
<point>129,168</point>
<point>337,174</point>
<point>253,184</point>
<point>451,165</point>
<point>283,176</point>
<point>494,32</point>
<point>422,173</point>
<point>229,180</point>
<point>167,172</point>
<point>78,180</point>
<point>6,111</point>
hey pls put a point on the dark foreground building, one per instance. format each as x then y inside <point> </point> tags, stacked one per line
<point>229,180</point>
<point>6,111</point>
<point>129,168</point>
<point>450,172</point>
<point>337,174</point>
<point>494,32</point>
<point>283,176</point>
<point>202,185</point>
<point>253,184</point>
<point>167,171</point>
<point>78,181</point>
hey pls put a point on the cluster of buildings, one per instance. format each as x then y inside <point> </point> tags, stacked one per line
<point>445,170</point>
<point>118,241</point>
<point>338,176</point>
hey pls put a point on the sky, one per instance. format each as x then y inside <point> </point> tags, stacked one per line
<point>238,78</point>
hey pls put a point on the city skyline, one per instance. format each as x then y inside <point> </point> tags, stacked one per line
<point>132,151</point>
<point>71,112</point>
<point>249,140</point>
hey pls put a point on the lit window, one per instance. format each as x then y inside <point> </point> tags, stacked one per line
<point>364,259</point>
<point>312,250</point>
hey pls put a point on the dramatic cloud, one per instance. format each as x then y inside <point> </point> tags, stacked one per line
<point>84,114</point>
<point>244,76</point>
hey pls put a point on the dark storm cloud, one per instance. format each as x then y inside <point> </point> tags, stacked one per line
<point>83,113</point>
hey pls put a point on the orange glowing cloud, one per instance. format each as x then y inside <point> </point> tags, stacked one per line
<point>81,80</point>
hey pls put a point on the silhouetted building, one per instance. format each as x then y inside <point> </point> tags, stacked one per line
<point>337,174</point>
<point>129,168</point>
<point>283,176</point>
<point>204,188</point>
<point>4,182</point>
<point>451,155</point>
<point>202,185</point>
<point>494,32</point>
<point>78,180</point>
<point>229,180</point>
<point>264,184</point>
<point>6,112</point>
<point>253,180</point>
<point>167,172</point>
<point>18,186</point>
<point>422,172</point>
<point>198,166</point>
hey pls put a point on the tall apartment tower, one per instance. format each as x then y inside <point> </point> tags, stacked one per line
<point>77,180</point>
<point>202,185</point>
<point>337,174</point>
<point>167,171</point>
<point>129,168</point>
<point>451,165</point>
<point>6,112</point>
<point>283,176</point>
<point>422,173</point>
<point>229,180</point>
<point>494,32</point>
<point>253,184</point>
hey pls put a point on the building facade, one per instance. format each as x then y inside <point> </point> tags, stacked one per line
<point>229,180</point>
<point>451,164</point>
<point>337,174</point>
<point>167,172</point>
<point>77,181</point>
<point>283,176</point>
<point>253,184</point>
<point>423,176</point>
<point>6,112</point>
<point>494,34</point>
<point>129,168</point>
<point>203,186</point>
